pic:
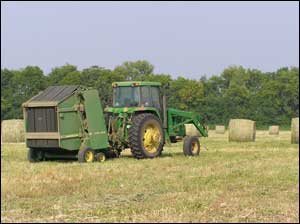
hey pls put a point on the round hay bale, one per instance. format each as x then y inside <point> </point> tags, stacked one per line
<point>191,130</point>
<point>242,130</point>
<point>295,130</point>
<point>274,130</point>
<point>12,131</point>
<point>220,129</point>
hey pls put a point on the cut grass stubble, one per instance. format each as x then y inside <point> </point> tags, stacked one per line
<point>229,182</point>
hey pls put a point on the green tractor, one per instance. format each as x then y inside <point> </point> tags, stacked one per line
<point>68,121</point>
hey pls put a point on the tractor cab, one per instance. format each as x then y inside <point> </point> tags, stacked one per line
<point>137,94</point>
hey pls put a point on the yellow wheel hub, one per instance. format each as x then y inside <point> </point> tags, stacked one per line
<point>89,156</point>
<point>151,138</point>
<point>195,147</point>
<point>101,157</point>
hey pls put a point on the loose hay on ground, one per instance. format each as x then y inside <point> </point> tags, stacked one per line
<point>224,184</point>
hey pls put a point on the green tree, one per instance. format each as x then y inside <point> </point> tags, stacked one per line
<point>186,94</point>
<point>7,89</point>
<point>72,78</point>
<point>59,73</point>
<point>25,84</point>
<point>267,98</point>
<point>164,79</point>
<point>213,106</point>
<point>134,70</point>
<point>101,79</point>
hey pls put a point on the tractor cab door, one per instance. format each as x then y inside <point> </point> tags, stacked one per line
<point>150,97</point>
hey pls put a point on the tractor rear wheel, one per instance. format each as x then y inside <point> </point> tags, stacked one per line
<point>146,136</point>
<point>191,146</point>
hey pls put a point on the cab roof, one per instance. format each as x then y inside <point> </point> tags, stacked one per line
<point>136,83</point>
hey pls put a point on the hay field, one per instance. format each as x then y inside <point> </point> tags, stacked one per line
<point>229,182</point>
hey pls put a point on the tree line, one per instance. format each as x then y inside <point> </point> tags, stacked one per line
<point>269,98</point>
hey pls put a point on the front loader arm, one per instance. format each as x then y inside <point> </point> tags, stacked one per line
<point>177,118</point>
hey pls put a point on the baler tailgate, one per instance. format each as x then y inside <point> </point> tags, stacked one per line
<point>95,120</point>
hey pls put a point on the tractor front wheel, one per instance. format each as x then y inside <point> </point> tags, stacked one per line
<point>191,146</point>
<point>146,136</point>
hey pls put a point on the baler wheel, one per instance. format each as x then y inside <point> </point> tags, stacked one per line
<point>86,155</point>
<point>100,157</point>
<point>35,155</point>
<point>191,146</point>
<point>146,136</point>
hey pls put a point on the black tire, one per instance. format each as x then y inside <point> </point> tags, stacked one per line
<point>112,154</point>
<point>136,134</point>
<point>100,157</point>
<point>191,146</point>
<point>173,139</point>
<point>35,155</point>
<point>83,155</point>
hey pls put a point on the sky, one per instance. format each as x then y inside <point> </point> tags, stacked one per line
<point>189,39</point>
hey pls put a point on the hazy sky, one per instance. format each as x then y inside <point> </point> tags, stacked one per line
<point>178,38</point>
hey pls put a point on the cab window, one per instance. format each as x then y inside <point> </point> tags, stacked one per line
<point>146,96</point>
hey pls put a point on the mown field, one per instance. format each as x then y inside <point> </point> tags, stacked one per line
<point>228,182</point>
